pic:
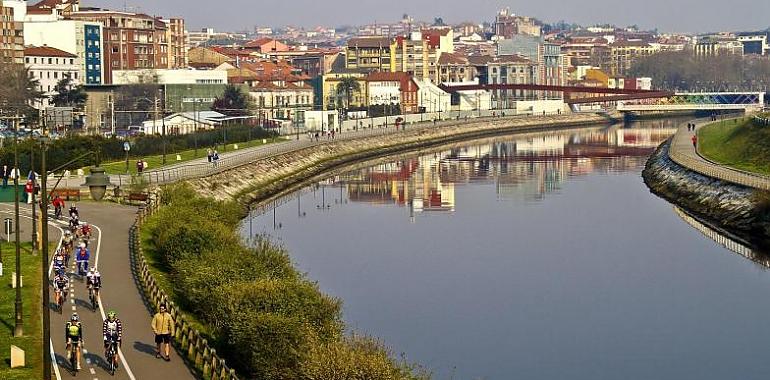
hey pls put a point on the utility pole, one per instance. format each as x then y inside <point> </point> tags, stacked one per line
<point>18,329</point>
<point>44,262</point>
<point>33,178</point>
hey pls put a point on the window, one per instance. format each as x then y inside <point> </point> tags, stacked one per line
<point>50,61</point>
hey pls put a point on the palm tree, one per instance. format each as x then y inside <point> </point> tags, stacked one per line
<point>69,95</point>
<point>19,91</point>
<point>346,89</point>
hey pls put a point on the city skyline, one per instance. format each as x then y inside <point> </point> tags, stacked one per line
<point>684,16</point>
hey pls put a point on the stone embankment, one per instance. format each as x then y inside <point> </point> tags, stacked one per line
<point>276,175</point>
<point>739,210</point>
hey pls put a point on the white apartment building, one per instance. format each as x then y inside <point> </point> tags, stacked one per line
<point>49,65</point>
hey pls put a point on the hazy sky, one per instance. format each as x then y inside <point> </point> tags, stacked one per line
<point>666,15</point>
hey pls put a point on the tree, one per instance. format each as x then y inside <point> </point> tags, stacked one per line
<point>233,102</point>
<point>68,95</point>
<point>438,21</point>
<point>19,91</point>
<point>346,89</point>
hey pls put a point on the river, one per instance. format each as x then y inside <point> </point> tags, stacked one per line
<point>535,256</point>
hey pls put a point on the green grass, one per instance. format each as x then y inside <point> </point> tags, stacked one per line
<point>741,145</point>
<point>155,162</point>
<point>31,293</point>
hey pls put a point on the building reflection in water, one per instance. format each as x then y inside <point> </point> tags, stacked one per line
<point>525,166</point>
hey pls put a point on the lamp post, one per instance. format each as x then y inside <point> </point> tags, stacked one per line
<point>32,177</point>
<point>18,329</point>
<point>163,121</point>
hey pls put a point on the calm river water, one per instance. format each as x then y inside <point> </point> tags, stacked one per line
<point>538,256</point>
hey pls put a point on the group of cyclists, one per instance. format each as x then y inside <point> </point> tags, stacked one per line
<point>75,241</point>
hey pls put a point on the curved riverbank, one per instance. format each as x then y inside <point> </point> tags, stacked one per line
<point>739,210</point>
<point>274,176</point>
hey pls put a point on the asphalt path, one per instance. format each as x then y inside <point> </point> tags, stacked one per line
<point>109,253</point>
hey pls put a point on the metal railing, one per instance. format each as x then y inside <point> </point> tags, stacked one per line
<point>189,341</point>
<point>251,155</point>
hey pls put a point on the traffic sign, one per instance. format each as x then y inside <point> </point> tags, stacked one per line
<point>126,146</point>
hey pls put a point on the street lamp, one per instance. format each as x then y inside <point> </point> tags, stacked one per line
<point>97,183</point>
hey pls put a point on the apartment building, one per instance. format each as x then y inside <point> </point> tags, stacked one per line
<point>508,25</point>
<point>623,55</point>
<point>137,41</point>
<point>11,37</point>
<point>48,66</point>
<point>368,54</point>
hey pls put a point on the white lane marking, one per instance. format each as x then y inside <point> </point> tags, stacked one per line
<point>55,362</point>
<point>93,371</point>
<point>101,305</point>
<point>101,309</point>
<point>74,308</point>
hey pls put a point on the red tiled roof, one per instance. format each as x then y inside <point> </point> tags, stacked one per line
<point>386,76</point>
<point>259,42</point>
<point>46,51</point>
<point>452,59</point>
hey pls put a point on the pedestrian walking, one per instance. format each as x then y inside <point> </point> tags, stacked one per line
<point>163,328</point>
<point>29,188</point>
<point>139,166</point>
<point>215,158</point>
<point>695,141</point>
<point>332,134</point>
<point>209,155</point>
<point>6,173</point>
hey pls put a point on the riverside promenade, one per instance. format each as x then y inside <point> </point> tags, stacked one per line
<point>685,154</point>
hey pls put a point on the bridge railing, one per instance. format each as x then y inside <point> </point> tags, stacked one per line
<point>761,120</point>
<point>189,341</point>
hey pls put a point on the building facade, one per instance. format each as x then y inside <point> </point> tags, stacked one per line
<point>82,38</point>
<point>48,66</point>
<point>11,37</point>
<point>135,41</point>
<point>368,54</point>
<point>623,55</point>
<point>508,25</point>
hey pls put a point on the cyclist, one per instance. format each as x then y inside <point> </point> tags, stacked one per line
<point>112,329</point>
<point>60,283</point>
<point>58,205</point>
<point>74,212</point>
<point>85,230</point>
<point>59,260</point>
<point>74,223</point>
<point>73,331</point>
<point>94,282</point>
<point>68,241</point>
<point>82,254</point>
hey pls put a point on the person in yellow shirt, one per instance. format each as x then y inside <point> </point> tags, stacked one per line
<point>163,327</point>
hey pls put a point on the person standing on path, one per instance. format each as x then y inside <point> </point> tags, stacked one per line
<point>695,141</point>
<point>163,328</point>
<point>6,173</point>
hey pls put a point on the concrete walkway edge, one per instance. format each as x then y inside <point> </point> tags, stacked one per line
<point>685,154</point>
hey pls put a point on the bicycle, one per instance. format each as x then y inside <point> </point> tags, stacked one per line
<point>112,356</point>
<point>72,354</point>
<point>93,296</point>
<point>61,298</point>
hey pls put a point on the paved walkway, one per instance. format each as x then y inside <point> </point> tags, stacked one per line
<point>684,153</point>
<point>199,167</point>
<point>109,251</point>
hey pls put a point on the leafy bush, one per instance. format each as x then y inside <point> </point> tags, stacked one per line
<point>265,317</point>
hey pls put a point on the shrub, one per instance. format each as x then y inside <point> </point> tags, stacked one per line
<point>356,358</point>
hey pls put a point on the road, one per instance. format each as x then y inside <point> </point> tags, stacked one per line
<point>109,252</point>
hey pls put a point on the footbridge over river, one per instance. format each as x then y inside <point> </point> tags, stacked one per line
<point>701,101</point>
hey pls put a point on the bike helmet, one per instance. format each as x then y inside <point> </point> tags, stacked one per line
<point>82,245</point>
<point>92,270</point>
<point>74,317</point>
<point>111,315</point>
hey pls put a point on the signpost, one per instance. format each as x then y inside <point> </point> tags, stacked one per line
<point>126,148</point>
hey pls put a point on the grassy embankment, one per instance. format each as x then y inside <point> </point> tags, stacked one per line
<point>264,316</point>
<point>31,293</point>
<point>742,145</point>
<point>156,161</point>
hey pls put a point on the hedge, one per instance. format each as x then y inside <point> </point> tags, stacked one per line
<point>65,149</point>
<point>265,317</point>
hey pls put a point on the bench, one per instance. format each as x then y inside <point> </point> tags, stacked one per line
<point>141,197</point>
<point>66,193</point>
